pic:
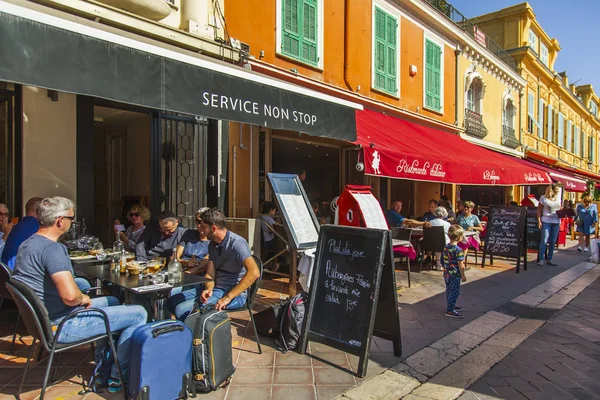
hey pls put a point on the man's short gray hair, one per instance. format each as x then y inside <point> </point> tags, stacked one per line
<point>53,207</point>
<point>440,212</point>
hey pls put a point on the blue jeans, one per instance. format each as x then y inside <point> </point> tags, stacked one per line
<point>82,283</point>
<point>122,319</point>
<point>549,235</point>
<point>180,304</point>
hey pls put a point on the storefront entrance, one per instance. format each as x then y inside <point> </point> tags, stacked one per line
<point>10,148</point>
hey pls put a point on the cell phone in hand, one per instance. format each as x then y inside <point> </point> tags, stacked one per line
<point>120,228</point>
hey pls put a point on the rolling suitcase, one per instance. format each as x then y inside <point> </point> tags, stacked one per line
<point>212,360</point>
<point>160,361</point>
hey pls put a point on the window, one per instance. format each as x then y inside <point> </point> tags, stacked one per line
<point>508,115</point>
<point>576,136</point>
<point>531,120</point>
<point>550,133</point>
<point>544,54</point>
<point>475,95</point>
<point>569,135</point>
<point>594,108</point>
<point>385,60</point>
<point>561,130</point>
<point>541,109</point>
<point>533,41</point>
<point>433,75</point>
<point>583,136</point>
<point>301,31</point>
<point>591,148</point>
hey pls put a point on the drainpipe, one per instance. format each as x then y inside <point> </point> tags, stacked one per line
<point>520,117</point>
<point>346,45</point>
<point>457,53</point>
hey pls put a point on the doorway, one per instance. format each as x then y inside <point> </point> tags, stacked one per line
<point>10,148</point>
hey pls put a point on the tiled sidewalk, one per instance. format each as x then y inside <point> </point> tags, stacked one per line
<point>324,373</point>
<point>561,360</point>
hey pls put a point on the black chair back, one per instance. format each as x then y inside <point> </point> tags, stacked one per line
<point>433,239</point>
<point>401,233</point>
<point>253,289</point>
<point>5,275</point>
<point>33,312</point>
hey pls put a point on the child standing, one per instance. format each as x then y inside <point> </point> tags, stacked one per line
<point>454,270</point>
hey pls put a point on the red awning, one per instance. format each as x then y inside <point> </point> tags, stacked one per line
<point>398,148</point>
<point>570,183</point>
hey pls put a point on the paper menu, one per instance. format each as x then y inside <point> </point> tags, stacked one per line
<point>301,222</point>
<point>371,210</point>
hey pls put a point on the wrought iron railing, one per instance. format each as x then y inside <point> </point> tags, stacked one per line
<point>474,124</point>
<point>509,139</point>
<point>466,25</point>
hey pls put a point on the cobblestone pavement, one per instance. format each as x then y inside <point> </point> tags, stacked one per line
<point>559,361</point>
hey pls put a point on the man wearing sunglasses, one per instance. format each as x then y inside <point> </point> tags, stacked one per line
<point>160,240</point>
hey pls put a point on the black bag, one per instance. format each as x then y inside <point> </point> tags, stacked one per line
<point>267,321</point>
<point>291,323</point>
<point>212,360</point>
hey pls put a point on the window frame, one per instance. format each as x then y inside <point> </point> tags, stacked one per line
<point>532,120</point>
<point>550,123</point>
<point>533,46</point>
<point>569,136</point>
<point>560,139</point>
<point>508,119</point>
<point>394,13</point>
<point>576,138</point>
<point>544,54</point>
<point>428,36</point>
<point>320,35</point>
<point>477,102</point>
<point>541,118</point>
<point>594,108</point>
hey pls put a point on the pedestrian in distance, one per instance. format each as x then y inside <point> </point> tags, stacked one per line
<point>549,223</point>
<point>454,270</point>
<point>587,216</point>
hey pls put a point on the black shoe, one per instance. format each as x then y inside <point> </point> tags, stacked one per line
<point>458,308</point>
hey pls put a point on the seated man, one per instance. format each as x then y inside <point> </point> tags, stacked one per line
<point>429,215</point>
<point>396,220</point>
<point>21,232</point>
<point>230,266</point>
<point>44,265</point>
<point>160,242</point>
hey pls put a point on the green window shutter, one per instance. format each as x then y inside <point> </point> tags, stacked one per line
<point>569,134</point>
<point>386,27</point>
<point>561,130</point>
<point>300,30</point>
<point>550,121</point>
<point>576,140</point>
<point>433,76</point>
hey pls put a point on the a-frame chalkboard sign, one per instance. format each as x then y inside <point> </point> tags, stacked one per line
<point>353,292</point>
<point>506,235</point>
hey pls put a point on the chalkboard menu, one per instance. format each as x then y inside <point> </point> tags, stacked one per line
<point>505,233</point>
<point>533,232</point>
<point>345,290</point>
<point>300,220</point>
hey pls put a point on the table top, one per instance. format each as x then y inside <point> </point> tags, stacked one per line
<point>131,282</point>
<point>471,233</point>
<point>398,242</point>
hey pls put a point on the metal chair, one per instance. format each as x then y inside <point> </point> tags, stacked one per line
<point>37,321</point>
<point>403,234</point>
<point>252,291</point>
<point>434,241</point>
<point>5,275</point>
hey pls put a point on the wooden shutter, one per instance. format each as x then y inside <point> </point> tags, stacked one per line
<point>291,31</point>
<point>309,31</point>
<point>541,119</point>
<point>391,55</point>
<point>386,54</point>
<point>569,135</point>
<point>561,130</point>
<point>433,76</point>
<point>550,122</point>
<point>576,140</point>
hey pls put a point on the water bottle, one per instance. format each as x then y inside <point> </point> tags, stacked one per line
<point>175,270</point>
<point>118,245</point>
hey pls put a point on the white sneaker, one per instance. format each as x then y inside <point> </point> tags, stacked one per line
<point>540,263</point>
<point>579,248</point>
<point>586,249</point>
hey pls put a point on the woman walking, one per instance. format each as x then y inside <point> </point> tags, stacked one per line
<point>549,223</point>
<point>587,216</point>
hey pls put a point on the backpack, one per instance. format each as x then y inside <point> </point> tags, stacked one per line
<point>290,327</point>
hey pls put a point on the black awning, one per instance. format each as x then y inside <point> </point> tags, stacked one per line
<point>78,58</point>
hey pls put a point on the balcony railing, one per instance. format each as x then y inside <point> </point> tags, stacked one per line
<point>466,25</point>
<point>474,124</point>
<point>508,137</point>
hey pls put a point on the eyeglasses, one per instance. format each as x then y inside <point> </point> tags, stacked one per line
<point>68,217</point>
<point>134,214</point>
<point>5,214</point>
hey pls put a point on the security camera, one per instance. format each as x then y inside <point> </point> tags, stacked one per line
<point>360,167</point>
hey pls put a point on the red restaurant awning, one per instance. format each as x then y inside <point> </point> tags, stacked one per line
<point>397,148</point>
<point>570,183</point>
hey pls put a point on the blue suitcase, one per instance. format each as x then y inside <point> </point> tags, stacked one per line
<point>160,361</point>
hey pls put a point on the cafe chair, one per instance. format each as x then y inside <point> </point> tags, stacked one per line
<point>402,234</point>
<point>37,321</point>
<point>434,241</point>
<point>5,275</point>
<point>252,292</point>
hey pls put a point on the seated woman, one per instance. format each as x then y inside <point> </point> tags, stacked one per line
<point>469,222</point>
<point>192,249</point>
<point>137,215</point>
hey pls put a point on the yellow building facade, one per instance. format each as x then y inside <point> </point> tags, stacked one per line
<point>559,122</point>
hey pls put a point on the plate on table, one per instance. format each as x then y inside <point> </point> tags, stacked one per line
<point>81,255</point>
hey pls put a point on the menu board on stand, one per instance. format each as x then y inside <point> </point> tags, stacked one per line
<point>353,292</point>
<point>533,232</point>
<point>505,234</point>
<point>299,221</point>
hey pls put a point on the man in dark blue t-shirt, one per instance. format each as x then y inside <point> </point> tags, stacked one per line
<point>396,220</point>
<point>21,232</point>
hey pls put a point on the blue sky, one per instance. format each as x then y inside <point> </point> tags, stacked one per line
<point>575,24</point>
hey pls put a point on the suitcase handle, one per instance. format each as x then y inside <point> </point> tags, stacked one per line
<point>171,328</point>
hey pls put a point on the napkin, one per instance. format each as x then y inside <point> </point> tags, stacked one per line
<point>151,288</point>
